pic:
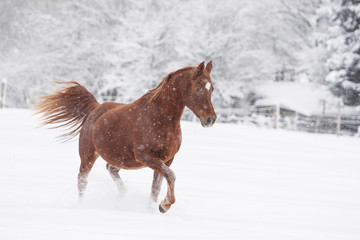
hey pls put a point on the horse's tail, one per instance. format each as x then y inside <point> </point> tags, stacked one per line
<point>67,107</point>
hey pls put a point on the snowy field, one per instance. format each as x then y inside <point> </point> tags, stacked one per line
<point>233,182</point>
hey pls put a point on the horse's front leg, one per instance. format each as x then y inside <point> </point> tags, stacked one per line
<point>157,181</point>
<point>147,158</point>
<point>169,175</point>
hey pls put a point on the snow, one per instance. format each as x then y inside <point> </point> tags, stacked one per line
<point>233,182</point>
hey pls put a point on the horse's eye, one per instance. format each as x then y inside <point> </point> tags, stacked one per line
<point>197,89</point>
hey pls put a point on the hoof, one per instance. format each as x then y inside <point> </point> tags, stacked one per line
<point>162,210</point>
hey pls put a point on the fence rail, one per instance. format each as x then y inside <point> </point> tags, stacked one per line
<point>321,123</point>
<point>346,124</point>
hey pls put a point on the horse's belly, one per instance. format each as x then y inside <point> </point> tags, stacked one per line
<point>118,156</point>
<point>115,147</point>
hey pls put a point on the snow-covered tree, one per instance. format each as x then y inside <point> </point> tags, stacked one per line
<point>343,45</point>
<point>118,49</point>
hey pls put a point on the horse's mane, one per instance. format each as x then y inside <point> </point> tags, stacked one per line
<point>156,91</point>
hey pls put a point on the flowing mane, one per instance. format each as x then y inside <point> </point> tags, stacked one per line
<point>156,91</point>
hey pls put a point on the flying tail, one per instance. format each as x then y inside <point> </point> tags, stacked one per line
<point>67,107</point>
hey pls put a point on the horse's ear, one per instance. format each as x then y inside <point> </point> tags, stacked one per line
<point>209,67</point>
<point>201,66</point>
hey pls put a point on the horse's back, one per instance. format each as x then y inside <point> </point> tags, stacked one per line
<point>102,109</point>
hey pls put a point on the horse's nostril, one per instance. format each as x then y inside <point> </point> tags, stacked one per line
<point>209,120</point>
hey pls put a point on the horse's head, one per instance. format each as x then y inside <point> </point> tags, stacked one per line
<point>198,92</point>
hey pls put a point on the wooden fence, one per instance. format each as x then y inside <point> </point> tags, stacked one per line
<point>286,119</point>
<point>2,92</point>
<point>329,123</point>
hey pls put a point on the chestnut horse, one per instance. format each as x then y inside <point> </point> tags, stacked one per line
<point>144,133</point>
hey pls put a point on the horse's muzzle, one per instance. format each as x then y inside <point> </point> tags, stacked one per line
<point>208,122</point>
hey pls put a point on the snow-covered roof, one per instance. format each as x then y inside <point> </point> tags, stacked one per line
<point>304,98</point>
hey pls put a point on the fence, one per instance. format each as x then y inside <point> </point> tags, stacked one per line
<point>331,124</point>
<point>282,118</point>
<point>2,92</point>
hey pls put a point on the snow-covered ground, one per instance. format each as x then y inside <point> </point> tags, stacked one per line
<point>233,182</point>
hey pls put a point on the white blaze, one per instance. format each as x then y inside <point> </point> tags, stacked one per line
<point>208,86</point>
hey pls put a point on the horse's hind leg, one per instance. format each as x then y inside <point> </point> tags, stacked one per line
<point>156,186</point>
<point>87,161</point>
<point>114,173</point>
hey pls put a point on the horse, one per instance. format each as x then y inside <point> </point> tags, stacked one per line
<point>144,133</point>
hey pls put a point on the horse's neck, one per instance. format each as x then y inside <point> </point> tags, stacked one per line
<point>169,103</point>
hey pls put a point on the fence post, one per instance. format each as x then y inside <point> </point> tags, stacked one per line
<point>322,115</point>
<point>276,115</point>
<point>2,92</point>
<point>338,124</point>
